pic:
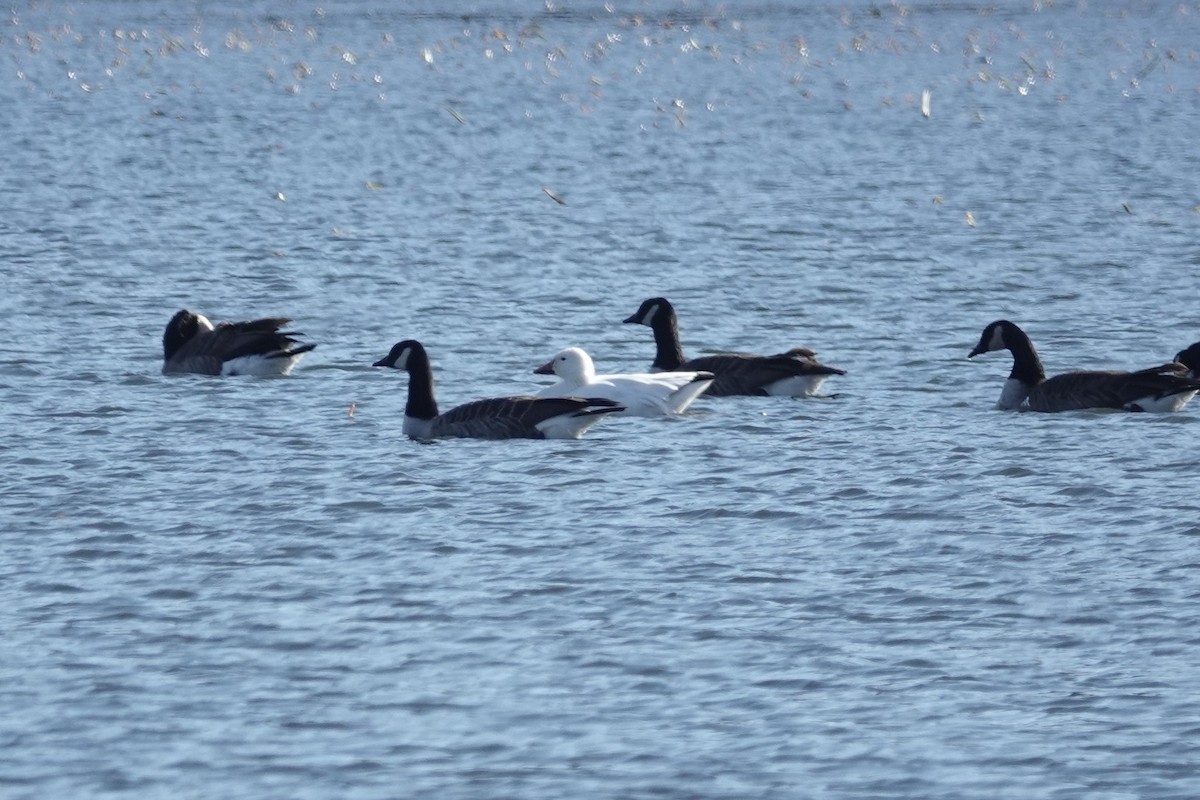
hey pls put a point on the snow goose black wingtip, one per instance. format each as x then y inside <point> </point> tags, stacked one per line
<point>794,373</point>
<point>192,344</point>
<point>517,417</point>
<point>1158,389</point>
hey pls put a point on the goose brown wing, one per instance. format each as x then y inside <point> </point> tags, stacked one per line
<point>508,417</point>
<point>207,351</point>
<point>194,359</point>
<point>204,353</point>
<point>1099,389</point>
<point>743,374</point>
<point>266,324</point>
<point>258,337</point>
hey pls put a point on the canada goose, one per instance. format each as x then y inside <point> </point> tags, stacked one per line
<point>256,347</point>
<point>795,373</point>
<point>494,418</point>
<point>650,394</point>
<point>1160,388</point>
<point>1190,358</point>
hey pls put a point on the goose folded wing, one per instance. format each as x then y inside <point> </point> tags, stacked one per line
<point>508,417</point>
<point>205,353</point>
<point>1108,389</point>
<point>260,337</point>
<point>1169,368</point>
<point>738,373</point>
<point>266,324</point>
<point>195,358</point>
<point>799,353</point>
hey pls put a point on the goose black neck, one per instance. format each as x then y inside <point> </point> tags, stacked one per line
<point>669,353</point>
<point>421,403</point>
<point>1027,367</point>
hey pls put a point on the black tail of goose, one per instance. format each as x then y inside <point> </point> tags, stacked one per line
<point>795,373</point>
<point>192,344</point>
<point>492,418</point>
<point>1158,389</point>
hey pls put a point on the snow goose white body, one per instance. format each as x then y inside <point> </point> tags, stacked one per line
<point>652,394</point>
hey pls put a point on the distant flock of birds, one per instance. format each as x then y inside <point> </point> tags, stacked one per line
<point>581,398</point>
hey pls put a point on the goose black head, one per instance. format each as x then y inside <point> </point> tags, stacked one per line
<point>402,355</point>
<point>650,311</point>
<point>180,330</point>
<point>995,336</point>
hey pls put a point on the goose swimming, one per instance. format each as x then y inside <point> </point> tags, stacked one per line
<point>795,373</point>
<point>650,394</point>
<point>1159,389</point>
<point>493,418</point>
<point>255,347</point>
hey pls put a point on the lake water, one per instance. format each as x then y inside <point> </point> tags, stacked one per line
<point>260,588</point>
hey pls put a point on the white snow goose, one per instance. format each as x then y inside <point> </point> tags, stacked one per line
<point>255,347</point>
<point>650,394</point>
<point>1162,388</point>
<point>795,373</point>
<point>493,418</point>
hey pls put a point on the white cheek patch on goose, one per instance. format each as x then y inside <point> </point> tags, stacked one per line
<point>997,340</point>
<point>649,318</point>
